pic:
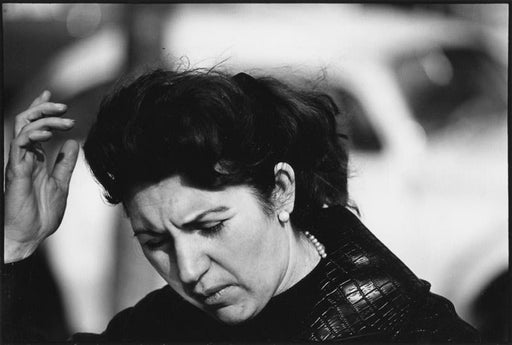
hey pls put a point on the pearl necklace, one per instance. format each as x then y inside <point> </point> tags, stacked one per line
<point>320,248</point>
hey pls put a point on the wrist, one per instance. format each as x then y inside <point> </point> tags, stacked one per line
<point>16,251</point>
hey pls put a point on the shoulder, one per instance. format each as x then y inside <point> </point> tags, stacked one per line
<point>437,321</point>
<point>367,292</point>
<point>355,253</point>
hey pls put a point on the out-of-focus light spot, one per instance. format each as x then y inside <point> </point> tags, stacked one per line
<point>83,19</point>
<point>92,61</point>
<point>438,68</point>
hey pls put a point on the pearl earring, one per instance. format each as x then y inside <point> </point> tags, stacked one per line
<point>283,216</point>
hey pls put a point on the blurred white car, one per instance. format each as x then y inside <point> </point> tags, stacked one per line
<point>442,205</point>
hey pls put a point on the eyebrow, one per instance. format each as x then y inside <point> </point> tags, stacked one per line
<point>203,214</point>
<point>188,224</point>
<point>146,231</point>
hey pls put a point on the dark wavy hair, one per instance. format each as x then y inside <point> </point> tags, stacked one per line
<point>216,131</point>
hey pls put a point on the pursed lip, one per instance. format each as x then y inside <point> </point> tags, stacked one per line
<point>215,295</point>
<point>212,290</point>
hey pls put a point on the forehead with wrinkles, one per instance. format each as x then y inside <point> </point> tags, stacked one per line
<point>173,200</point>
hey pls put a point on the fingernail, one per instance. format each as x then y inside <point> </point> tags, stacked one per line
<point>61,106</point>
<point>70,122</point>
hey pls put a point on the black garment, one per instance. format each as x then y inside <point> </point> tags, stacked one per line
<point>360,292</point>
<point>44,302</point>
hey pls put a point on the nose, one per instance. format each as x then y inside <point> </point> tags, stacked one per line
<point>191,260</point>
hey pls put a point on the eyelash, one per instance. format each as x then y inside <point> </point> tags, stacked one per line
<point>156,244</point>
<point>208,231</point>
<point>212,230</point>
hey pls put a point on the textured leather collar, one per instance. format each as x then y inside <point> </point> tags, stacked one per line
<point>365,290</point>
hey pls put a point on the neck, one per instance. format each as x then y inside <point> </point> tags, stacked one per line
<point>302,259</point>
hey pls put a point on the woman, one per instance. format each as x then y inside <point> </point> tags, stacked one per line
<point>236,189</point>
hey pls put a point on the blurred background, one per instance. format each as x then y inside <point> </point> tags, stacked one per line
<point>424,88</point>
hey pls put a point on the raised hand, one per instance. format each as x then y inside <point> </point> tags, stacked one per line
<point>35,192</point>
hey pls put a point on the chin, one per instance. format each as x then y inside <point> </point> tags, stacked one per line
<point>234,314</point>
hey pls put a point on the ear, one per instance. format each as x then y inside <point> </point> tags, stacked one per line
<point>284,191</point>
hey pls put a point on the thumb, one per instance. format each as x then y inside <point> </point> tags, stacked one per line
<point>65,163</point>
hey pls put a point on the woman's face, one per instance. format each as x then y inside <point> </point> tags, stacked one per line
<point>217,249</point>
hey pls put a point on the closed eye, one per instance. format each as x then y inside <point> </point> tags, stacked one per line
<point>212,230</point>
<point>156,243</point>
<point>152,240</point>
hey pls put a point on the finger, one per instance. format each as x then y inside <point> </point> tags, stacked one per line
<point>49,123</point>
<point>26,139</point>
<point>28,142</point>
<point>37,100</point>
<point>40,135</point>
<point>37,112</point>
<point>42,98</point>
<point>65,163</point>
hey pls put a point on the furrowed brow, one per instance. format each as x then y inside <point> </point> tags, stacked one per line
<point>147,232</point>
<point>200,216</point>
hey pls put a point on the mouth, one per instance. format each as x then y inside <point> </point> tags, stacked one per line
<point>216,295</point>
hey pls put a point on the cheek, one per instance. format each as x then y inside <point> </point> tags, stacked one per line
<point>163,264</point>
<point>253,251</point>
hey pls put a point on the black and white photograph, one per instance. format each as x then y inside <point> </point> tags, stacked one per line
<point>255,173</point>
